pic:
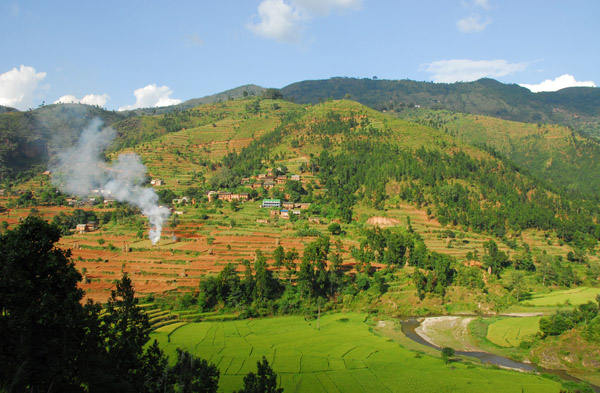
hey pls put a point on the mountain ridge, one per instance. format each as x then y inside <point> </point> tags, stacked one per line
<point>577,107</point>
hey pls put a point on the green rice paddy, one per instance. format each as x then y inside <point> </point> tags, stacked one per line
<point>575,296</point>
<point>509,332</point>
<point>342,356</point>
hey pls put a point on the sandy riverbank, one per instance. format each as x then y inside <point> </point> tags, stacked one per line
<point>448,331</point>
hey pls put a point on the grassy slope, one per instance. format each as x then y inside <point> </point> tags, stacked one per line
<point>509,332</point>
<point>179,156</point>
<point>343,356</point>
<point>575,297</point>
<point>553,153</point>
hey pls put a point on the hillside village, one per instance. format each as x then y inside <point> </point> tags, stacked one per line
<point>402,249</point>
<point>307,196</point>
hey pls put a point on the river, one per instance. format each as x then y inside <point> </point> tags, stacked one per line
<point>410,325</point>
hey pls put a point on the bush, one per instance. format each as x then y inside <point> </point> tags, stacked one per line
<point>334,228</point>
<point>447,354</point>
<point>592,331</point>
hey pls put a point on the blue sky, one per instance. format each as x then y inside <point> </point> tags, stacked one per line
<point>125,54</point>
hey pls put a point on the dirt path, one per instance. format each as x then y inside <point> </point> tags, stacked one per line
<point>523,314</point>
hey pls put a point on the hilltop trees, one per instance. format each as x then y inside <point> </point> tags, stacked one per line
<point>272,94</point>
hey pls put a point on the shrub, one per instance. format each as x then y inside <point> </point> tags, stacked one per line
<point>447,354</point>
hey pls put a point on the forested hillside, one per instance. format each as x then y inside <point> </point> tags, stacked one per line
<point>361,155</point>
<point>577,107</point>
<point>552,153</point>
<point>30,138</point>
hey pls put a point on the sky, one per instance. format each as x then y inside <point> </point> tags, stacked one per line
<point>128,54</point>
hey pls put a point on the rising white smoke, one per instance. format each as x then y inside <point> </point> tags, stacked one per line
<point>81,169</point>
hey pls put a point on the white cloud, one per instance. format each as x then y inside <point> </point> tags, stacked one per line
<point>195,40</point>
<point>325,7</point>
<point>19,87</point>
<point>68,99</point>
<point>152,96</point>
<point>473,23</point>
<point>560,82</point>
<point>482,3</point>
<point>14,10</point>
<point>284,21</point>
<point>464,70</point>
<point>89,99</point>
<point>278,21</point>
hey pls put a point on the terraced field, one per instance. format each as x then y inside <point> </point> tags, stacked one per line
<point>179,260</point>
<point>337,354</point>
<point>209,236</point>
<point>575,297</point>
<point>509,332</point>
<point>184,255</point>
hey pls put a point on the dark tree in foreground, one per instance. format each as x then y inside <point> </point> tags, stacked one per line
<point>50,342</point>
<point>194,375</point>
<point>264,381</point>
<point>41,318</point>
<point>129,331</point>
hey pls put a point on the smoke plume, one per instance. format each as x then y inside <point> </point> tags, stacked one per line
<point>81,169</point>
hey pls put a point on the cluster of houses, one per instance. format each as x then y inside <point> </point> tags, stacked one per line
<point>228,196</point>
<point>91,199</point>
<point>267,180</point>
<point>85,202</point>
<point>288,207</point>
<point>89,227</point>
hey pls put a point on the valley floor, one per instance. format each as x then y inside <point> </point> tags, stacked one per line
<point>338,353</point>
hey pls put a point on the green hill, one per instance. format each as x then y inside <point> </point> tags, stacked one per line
<point>363,157</point>
<point>577,107</point>
<point>231,94</point>
<point>32,137</point>
<point>552,153</point>
<point>4,109</point>
<point>359,155</point>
